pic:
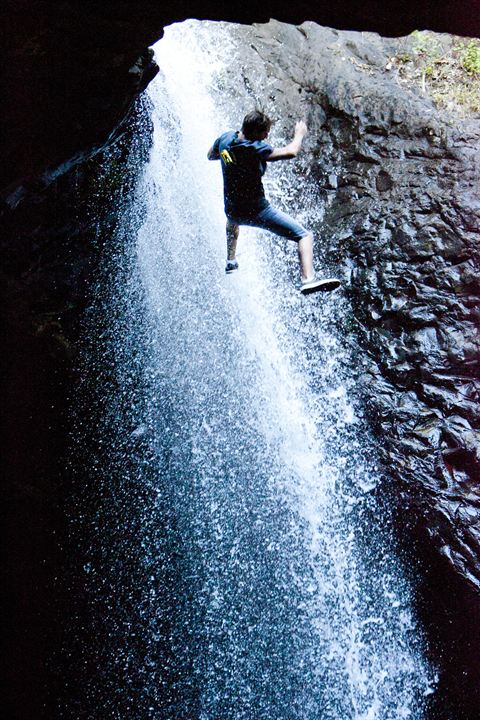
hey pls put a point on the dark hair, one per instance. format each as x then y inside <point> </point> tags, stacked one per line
<point>254,124</point>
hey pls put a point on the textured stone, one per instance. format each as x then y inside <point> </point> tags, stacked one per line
<point>400,186</point>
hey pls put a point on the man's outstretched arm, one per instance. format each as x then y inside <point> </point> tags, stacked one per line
<point>292,149</point>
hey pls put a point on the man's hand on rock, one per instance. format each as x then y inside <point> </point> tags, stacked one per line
<point>301,128</point>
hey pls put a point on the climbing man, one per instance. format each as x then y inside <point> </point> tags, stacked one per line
<point>244,155</point>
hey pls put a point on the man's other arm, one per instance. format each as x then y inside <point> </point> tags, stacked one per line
<point>292,149</point>
<point>213,153</point>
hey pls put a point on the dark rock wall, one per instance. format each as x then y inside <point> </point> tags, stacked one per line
<point>51,250</point>
<point>399,179</point>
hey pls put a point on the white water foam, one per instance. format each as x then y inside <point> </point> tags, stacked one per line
<point>275,467</point>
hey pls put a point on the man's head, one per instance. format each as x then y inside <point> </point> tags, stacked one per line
<point>256,125</point>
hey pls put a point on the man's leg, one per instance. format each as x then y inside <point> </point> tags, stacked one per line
<point>282,224</point>
<point>305,254</point>
<point>232,237</point>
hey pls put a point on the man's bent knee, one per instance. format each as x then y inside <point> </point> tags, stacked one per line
<point>306,239</point>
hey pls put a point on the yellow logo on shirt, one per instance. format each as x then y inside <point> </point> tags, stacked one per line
<point>226,157</point>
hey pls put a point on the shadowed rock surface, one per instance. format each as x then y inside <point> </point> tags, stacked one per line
<point>400,183</point>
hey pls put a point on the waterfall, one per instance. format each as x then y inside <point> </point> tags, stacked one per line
<point>270,589</point>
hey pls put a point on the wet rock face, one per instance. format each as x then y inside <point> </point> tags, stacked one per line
<point>400,183</point>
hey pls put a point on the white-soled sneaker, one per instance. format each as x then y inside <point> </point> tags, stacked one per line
<point>315,285</point>
<point>231,266</point>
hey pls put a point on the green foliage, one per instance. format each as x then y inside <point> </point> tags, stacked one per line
<point>446,69</point>
<point>471,58</point>
<point>424,43</point>
<point>460,95</point>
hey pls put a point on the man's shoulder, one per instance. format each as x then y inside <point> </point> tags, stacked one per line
<point>262,146</point>
<point>258,148</point>
<point>226,137</point>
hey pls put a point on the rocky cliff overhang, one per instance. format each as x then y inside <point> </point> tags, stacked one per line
<point>71,70</point>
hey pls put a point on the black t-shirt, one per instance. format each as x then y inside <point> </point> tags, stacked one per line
<point>243,164</point>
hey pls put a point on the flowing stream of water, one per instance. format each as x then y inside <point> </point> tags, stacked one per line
<point>271,591</point>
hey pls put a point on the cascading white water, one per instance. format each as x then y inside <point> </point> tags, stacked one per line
<point>286,600</point>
